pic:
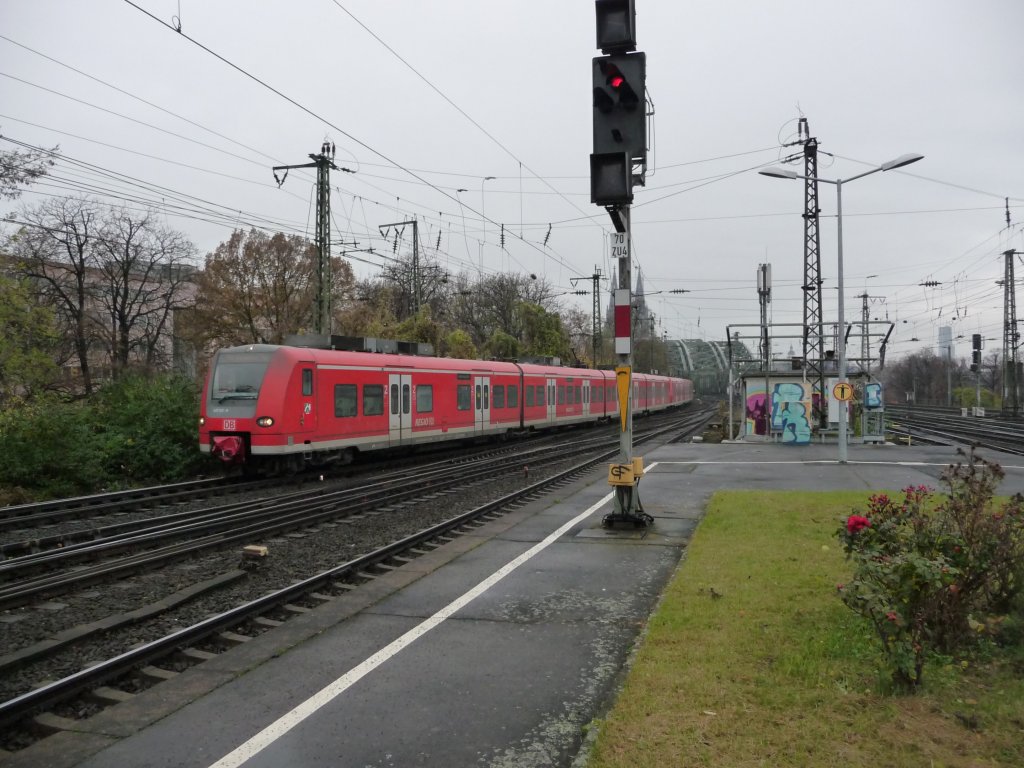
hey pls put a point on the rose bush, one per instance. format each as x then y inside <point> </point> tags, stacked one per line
<point>929,572</point>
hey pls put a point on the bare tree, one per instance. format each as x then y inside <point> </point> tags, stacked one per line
<point>56,248</point>
<point>19,168</point>
<point>146,274</point>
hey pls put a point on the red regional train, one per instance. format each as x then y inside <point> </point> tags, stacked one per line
<point>286,407</point>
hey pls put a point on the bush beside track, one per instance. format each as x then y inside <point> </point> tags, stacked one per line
<point>136,431</point>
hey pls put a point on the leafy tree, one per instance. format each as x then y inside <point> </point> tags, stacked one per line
<point>28,344</point>
<point>258,288</point>
<point>502,346</point>
<point>543,333</point>
<point>459,344</point>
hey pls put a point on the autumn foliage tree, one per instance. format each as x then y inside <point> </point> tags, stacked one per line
<point>258,288</point>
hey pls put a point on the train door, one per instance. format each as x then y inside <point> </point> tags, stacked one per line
<point>482,403</point>
<point>551,400</point>
<point>307,420</point>
<point>399,408</point>
<point>586,397</point>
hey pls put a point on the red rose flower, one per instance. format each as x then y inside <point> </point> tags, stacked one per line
<point>855,523</point>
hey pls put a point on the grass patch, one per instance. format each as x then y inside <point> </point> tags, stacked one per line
<point>752,660</point>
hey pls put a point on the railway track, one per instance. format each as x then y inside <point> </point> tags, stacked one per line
<point>134,668</point>
<point>239,522</point>
<point>950,427</point>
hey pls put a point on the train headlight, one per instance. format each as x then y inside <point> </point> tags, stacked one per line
<point>265,421</point>
<point>202,421</point>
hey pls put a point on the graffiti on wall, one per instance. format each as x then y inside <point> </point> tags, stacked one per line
<point>788,409</point>
<point>873,395</point>
<point>755,408</point>
<point>791,412</point>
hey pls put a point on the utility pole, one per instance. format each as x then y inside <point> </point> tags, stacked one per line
<point>618,161</point>
<point>595,335</point>
<point>764,297</point>
<point>651,369</point>
<point>814,335</point>
<point>323,163</point>
<point>1011,335</point>
<point>385,230</point>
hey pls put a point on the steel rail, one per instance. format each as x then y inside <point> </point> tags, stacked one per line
<point>55,692</point>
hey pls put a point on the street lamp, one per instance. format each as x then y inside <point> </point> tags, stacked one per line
<point>785,173</point>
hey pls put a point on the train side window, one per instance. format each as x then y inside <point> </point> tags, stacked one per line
<point>478,397</point>
<point>394,399</point>
<point>528,395</point>
<point>561,394</point>
<point>579,394</point>
<point>373,399</point>
<point>498,396</point>
<point>424,398</point>
<point>346,400</point>
<point>513,396</point>
<point>463,398</point>
<point>405,398</point>
<point>487,397</point>
<point>568,395</point>
<point>307,382</point>
<point>586,394</point>
<point>540,395</point>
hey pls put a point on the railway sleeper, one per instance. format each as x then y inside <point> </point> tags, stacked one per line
<point>156,674</point>
<point>108,696</point>
<point>233,638</point>
<point>196,654</point>
<point>49,723</point>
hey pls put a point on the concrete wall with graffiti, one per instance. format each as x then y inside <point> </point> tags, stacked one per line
<point>786,413</point>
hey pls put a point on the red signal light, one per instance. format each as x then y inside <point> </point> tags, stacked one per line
<point>616,80</point>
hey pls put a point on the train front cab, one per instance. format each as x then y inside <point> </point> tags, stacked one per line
<point>241,415</point>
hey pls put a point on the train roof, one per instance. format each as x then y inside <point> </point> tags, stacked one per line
<point>385,360</point>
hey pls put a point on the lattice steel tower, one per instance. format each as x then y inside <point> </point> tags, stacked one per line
<point>1010,337</point>
<point>814,342</point>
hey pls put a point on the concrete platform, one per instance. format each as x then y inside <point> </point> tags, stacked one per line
<point>495,650</point>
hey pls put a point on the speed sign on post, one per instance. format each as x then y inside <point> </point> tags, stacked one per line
<point>843,391</point>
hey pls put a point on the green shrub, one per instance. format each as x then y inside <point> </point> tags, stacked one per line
<point>930,576</point>
<point>136,431</point>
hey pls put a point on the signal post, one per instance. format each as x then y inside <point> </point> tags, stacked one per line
<point>618,161</point>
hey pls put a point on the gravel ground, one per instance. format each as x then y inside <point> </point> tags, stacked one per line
<point>292,557</point>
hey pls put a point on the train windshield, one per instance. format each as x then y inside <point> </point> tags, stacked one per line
<point>238,379</point>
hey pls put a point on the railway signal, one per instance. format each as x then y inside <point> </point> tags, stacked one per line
<point>975,352</point>
<point>620,146</point>
<point>619,105</point>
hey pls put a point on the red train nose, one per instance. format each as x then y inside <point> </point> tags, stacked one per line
<point>228,448</point>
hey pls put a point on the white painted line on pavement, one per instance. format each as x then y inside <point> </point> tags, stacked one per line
<point>328,693</point>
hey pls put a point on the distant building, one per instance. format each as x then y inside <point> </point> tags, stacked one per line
<point>945,345</point>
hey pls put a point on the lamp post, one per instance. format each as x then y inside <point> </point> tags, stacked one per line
<point>785,173</point>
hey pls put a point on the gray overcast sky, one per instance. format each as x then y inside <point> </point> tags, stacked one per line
<point>875,79</point>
